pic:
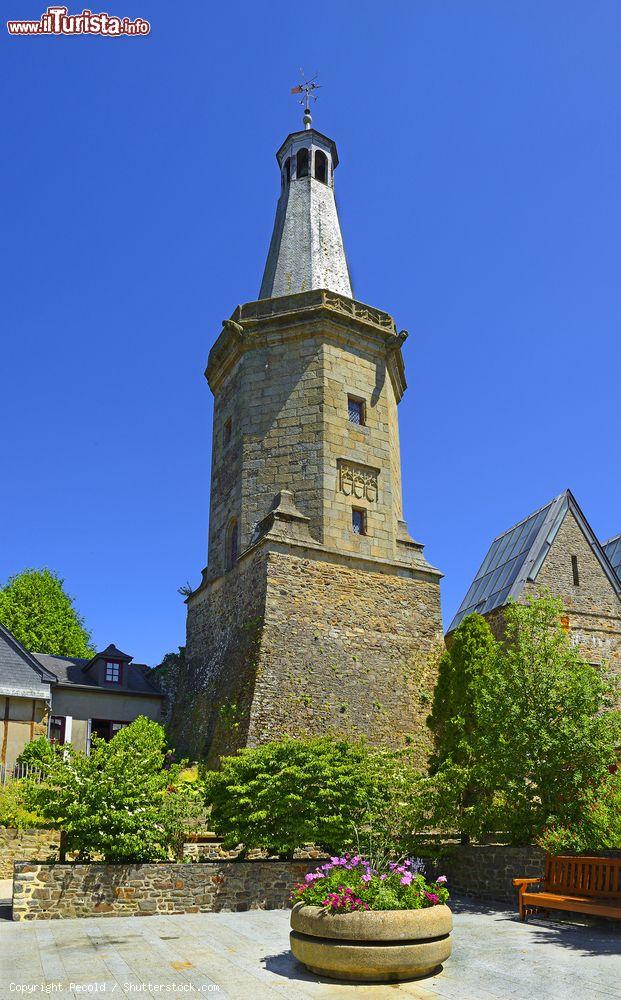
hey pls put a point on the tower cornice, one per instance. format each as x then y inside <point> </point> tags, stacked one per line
<point>294,317</point>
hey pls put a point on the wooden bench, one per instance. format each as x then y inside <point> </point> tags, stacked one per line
<point>578,884</point>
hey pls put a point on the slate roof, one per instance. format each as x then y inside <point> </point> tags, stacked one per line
<point>517,555</point>
<point>21,674</point>
<point>70,672</point>
<point>612,548</point>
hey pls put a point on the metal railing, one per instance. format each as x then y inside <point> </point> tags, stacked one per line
<point>18,772</point>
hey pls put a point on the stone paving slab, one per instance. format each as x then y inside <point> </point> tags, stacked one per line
<point>243,956</point>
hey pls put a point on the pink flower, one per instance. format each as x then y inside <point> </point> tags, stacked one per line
<point>366,877</point>
<point>431,896</point>
<point>441,880</point>
<point>406,880</point>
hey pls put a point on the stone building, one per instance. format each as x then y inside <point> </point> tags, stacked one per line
<point>556,550</point>
<point>317,611</point>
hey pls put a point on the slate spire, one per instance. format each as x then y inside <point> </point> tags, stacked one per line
<point>307,249</point>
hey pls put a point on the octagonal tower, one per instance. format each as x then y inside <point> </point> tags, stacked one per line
<point>317,612</point>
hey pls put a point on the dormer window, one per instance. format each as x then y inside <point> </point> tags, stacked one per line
<point>321,167</point>
<point>113,672</point>
<point>302,163</point>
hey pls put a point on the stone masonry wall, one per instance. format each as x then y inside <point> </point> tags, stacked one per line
<point>593,607</point>
<point>345,650</point>
<point>15,845</point>
<point>224,627</point>
<point>487,870</point>
<point>55,891</point>
<point>58,891</point>
<point>287,645</point>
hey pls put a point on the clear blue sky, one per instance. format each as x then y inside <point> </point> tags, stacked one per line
<point>480,198</point>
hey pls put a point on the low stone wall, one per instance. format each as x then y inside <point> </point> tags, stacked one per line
<point>57,891</point>
<point>18,845</point>
<point>487,870</point>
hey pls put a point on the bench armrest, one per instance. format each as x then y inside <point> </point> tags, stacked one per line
<point>522,882</point>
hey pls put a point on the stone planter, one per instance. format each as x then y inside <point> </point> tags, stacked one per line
<point>371,945</point>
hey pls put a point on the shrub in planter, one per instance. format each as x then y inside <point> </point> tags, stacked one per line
<point>352,921</point>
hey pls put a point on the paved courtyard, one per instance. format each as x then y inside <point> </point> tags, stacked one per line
<point>245,955</point>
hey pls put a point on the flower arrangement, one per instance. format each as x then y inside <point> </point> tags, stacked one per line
<point>343,885</point>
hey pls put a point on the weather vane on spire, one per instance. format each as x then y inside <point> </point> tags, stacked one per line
<point>307,87</point>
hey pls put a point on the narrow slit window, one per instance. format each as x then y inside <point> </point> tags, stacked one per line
<point>228,428</point>
<point>359,521</point>
<point>574,571</point>
<point>232,544</point>
<point>356,411</point>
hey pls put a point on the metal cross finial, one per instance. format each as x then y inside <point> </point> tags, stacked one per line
<point>307,87</point>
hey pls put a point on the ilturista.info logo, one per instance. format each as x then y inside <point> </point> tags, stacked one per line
<point>58,21</point>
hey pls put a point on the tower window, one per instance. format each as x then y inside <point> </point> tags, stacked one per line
<point>228,427</point>
<point>356,410</point>
<point>231,544</point>
<point>302,163</point>
<point>288,169</point>
<point>359,521</point>
<point>574,571</point>
<point>321,167</point>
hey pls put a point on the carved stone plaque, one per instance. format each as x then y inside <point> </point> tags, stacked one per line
<point>358,481</point>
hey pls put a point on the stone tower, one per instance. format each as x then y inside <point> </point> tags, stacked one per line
<point>317,612</point>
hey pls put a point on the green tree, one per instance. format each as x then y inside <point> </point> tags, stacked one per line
<point>466,668</point>
<point>547,729</point>
<point>110,804</point>
<point>42,616</point>
<point>534,735</point>
<point>287,794</point>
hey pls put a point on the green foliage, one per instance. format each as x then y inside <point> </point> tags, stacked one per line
<point>284,795</point>
<point>597,829</point>
<point>390,824</point>
<point>530,745</point>
<point>15,810</point>
<point>38,753</point>
<point>182,813</point>
<point>111,804</point>
<point>36,609</point>
<point>466,669</point>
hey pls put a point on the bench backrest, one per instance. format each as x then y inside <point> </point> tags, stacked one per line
<point>582,876</point>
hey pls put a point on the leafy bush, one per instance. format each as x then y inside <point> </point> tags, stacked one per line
<point>112,804</point>
<point>352,883</point>
<point>14,807</point>
<point>597,829</point>
<point>533,736</point>
<point>287,794</point>
<point>37,754</point>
